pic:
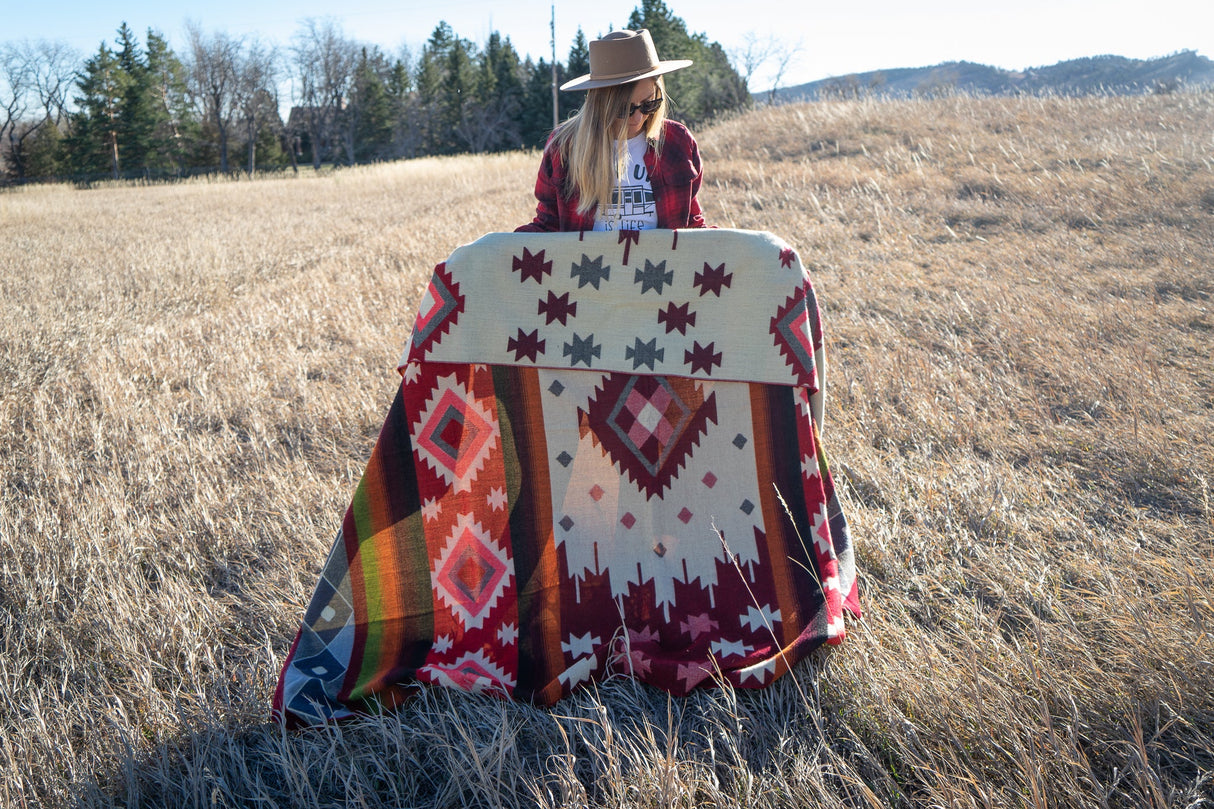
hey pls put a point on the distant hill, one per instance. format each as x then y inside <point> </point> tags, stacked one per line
<point>1113,74</point>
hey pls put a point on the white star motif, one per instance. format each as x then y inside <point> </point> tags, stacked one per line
<point>634,661</point>
<point>442,644</point>
<point>835,628</point>
<point>808,466</point>
<point>413,370</point>
<point>432,508</point>
<point>693,675</point>
<point>497,498</point>
<point>821,531</point>
<point>730,648</point>
<point>803,401</point>
<point>697,625</point>
<point>646,635</point>
<point>758,672</point>
<point>579,671</point>
<point>814,470</point>
<point>581,647</point>
<point>756,619</point>
<point>508,634</point>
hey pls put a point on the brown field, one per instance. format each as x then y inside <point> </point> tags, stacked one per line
<point>1019,303</point>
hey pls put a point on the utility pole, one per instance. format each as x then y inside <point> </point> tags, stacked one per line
<point>552,28</point>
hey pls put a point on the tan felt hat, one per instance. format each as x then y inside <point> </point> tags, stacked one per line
<point>622,57</point>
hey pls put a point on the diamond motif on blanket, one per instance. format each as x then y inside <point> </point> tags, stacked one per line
<point>456,434</point>
<point>473,671</point>
<point>791,328</point>
<point>438,310</point>
<point>471,573</point>
<point>322,666</point>
<point>648,425</point>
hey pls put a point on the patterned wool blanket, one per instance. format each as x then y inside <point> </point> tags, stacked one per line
<point>604,458</point>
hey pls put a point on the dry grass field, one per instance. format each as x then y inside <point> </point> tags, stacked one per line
<point>1019,303</point>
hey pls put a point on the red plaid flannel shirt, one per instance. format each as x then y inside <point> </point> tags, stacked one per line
<point>675,177</point>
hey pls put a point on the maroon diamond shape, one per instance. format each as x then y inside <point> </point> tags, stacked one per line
<point>648,425</point>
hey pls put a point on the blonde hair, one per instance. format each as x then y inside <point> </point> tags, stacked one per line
<point>594,158</point>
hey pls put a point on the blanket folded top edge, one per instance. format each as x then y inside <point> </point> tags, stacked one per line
<point>714,303</point>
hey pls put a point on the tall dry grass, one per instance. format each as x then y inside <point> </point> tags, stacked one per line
<point>1017,296</point>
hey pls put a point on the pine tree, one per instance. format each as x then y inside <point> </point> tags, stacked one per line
<point>579,55</point>
<point>578,64</point>
<point>535,119</point>
<point>45,154</point>
<point>431,73</point>
<point>135,122</point>
<point>458,89</point>
<point>94,142</point>
<point>405,112</point>
<point>371,102</point>
<point>174,126</point>
<point>499,95</point>
<point>710,86</point>
<point>446,79</point>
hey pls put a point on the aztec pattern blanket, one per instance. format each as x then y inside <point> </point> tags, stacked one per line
<point>604,459</point>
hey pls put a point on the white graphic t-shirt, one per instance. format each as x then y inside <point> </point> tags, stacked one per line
<point>632,206</point>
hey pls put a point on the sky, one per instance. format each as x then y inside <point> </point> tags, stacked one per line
<point>829,38</point>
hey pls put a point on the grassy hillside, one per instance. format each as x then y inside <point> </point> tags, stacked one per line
<point>1095,74</point>
<point>1018,302</point>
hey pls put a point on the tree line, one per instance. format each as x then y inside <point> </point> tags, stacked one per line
<point>144,109</point>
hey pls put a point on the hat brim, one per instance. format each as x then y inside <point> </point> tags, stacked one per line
<point>589,82</point>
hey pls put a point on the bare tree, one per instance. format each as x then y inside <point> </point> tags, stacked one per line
<point>53,69</point>
<point>324,63</point>
<point>35,79</point>
<point>751,56</point>
<point>16,86</point>
<point>784,56</point>
<point>256,97</point>
<point>484,123</point>
<point>758,51</point>
<point>213,81</point>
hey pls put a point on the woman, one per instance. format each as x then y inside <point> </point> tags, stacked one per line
<point>619,164</point>
<point>550,496</point>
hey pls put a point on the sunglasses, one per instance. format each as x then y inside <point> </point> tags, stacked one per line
<point>646,107</point>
